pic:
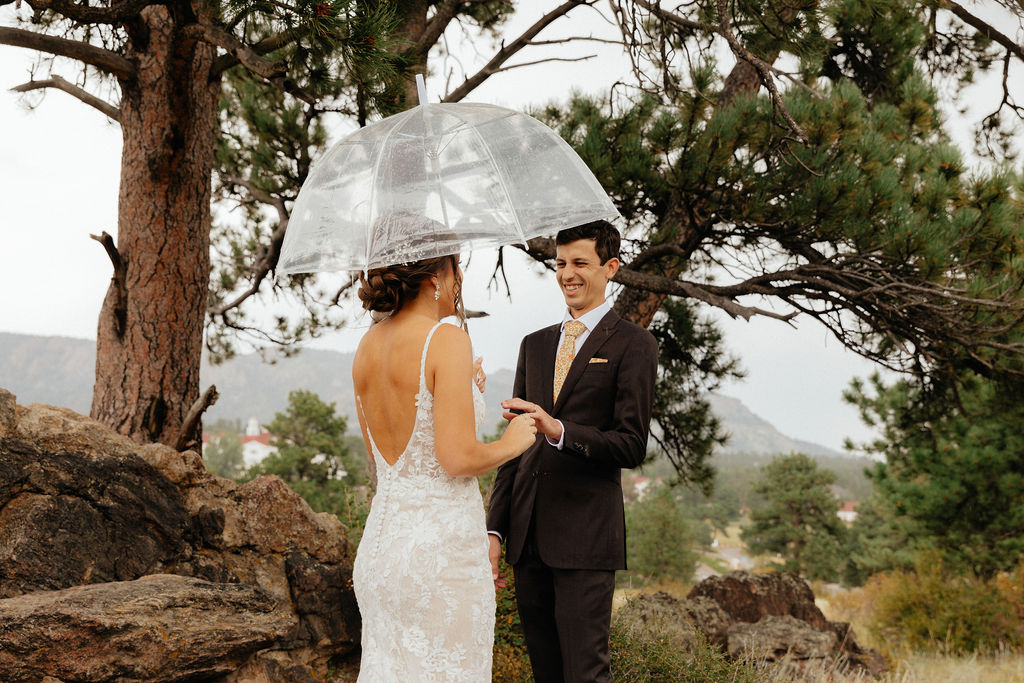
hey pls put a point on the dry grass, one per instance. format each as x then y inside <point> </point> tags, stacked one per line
<point>855,606</point>
<point>934,668</point>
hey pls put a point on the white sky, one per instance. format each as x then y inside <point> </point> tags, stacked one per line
<point>59,168</point>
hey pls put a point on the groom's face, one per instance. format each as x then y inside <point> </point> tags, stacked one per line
<point>581,275</point>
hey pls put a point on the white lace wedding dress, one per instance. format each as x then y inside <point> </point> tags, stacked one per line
<point>422,575</point>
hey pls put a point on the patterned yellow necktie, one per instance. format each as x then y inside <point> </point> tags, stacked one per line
<point>567,352</point>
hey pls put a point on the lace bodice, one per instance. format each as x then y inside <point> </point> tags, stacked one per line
<point>422,576</point>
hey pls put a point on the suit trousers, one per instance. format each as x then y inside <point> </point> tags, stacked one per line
<point>566,616</point>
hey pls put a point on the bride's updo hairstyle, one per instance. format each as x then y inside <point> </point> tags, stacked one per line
<point>385,291</point>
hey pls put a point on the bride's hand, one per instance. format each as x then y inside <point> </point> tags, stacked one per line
<point>521,432</point>
<point>479,376</point>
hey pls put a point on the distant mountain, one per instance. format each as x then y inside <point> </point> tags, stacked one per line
<point>59,371</point>
<point>749,433</point>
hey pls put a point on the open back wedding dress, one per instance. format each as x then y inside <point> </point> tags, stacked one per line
<point>422,575</point>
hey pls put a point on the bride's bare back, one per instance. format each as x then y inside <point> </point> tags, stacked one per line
<point>385,373</point>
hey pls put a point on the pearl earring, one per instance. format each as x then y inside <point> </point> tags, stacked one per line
<point>437,291</point>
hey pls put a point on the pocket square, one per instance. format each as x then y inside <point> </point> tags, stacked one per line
<point>598,360</point>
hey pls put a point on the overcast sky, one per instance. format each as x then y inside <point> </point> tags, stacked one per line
<point>59,168</point>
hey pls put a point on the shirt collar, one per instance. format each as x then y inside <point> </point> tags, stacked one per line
<point>589,319</point>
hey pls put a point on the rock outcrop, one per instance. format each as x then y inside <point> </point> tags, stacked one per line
<point>767,617</point>
<point>134,563</point>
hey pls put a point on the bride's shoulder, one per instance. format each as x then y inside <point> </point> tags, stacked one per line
<point>450,345</point>
<point>451,337</point>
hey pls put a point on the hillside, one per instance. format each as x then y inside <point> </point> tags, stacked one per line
<point>59,370</point>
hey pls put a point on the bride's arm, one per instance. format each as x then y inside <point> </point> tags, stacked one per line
<point>450,363</point>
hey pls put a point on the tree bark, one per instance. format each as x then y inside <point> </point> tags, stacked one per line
<point>412,22</point>
<point>147,370</point>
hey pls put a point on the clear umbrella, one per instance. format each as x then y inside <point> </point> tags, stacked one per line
<point>436,180</point>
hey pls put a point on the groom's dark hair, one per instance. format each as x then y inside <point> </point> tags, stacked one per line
<point>604,234</point>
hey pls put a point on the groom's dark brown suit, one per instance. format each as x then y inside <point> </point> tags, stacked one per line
<point>561,512</point>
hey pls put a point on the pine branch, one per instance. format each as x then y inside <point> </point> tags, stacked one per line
<point>268,44</point>
<point>83,13</point>
<point>118,281</point>
<point>436,25</point>
<point>505,53</point>
<point>763,69</point>
<point>267,255</point>
<point>102,59</point>
<point>673,18</point>
<point>110,110</point>
<point>664,285</point>
<point>984,28</point>
<point>249,58</point>
<point>541,61</point>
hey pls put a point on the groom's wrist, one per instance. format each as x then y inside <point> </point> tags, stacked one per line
<point>557,443</point>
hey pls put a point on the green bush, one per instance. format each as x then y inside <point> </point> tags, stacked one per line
<point>933,610</point>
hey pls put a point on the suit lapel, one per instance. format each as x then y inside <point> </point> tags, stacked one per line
<point>548,344</point>
<point>595,341</point>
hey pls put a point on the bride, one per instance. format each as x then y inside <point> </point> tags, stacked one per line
<point>422,575</point>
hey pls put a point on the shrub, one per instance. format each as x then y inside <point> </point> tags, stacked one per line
<point>931,609</point>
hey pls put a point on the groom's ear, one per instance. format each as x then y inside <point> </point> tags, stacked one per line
<point>611,267</point>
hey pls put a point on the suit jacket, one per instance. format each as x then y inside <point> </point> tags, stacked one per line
<point>574,496</point>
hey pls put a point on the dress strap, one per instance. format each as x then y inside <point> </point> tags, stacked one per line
<point>359,405</point>
<point>423,358</point>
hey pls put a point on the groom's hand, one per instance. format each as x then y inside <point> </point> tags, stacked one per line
<point>546,425</point>
<point>495,555</point>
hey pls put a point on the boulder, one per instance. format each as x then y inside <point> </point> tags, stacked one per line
<point>72,517</point>
<point>86,511</point>
<point>679,620</point>
<point>749,597</point>
<point>766,617</point>
<point>775,639</point>
<point>155,628</point>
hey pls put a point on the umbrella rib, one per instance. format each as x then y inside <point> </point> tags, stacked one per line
<point>373,181</point>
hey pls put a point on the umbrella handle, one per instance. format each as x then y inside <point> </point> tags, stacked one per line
<point>421,89</point>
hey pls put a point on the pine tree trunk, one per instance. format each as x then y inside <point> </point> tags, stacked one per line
<point>149,337</point>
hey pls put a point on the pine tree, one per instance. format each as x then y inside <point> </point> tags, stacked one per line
<point>880,540</point>
<point>798,520</point>
<point>954,468</point>
<point>224,456</point>
<point>662,539</point>
<point>312,455</point>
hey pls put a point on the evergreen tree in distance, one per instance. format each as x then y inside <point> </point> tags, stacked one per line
<point>798,520</point>
<point>312,455</point>
<point>224,455</point>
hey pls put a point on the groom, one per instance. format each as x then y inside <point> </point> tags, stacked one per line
<point>589,383</point>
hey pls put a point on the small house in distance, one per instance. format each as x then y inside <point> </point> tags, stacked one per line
<point>848,511</point>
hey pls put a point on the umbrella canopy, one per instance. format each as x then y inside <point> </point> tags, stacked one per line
<point>435,180</point>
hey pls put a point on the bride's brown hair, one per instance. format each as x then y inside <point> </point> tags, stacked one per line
<point>386,290</point>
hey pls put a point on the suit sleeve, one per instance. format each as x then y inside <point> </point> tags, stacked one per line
<point>624,444</point>
<point>498,508</point>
